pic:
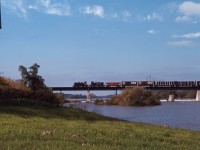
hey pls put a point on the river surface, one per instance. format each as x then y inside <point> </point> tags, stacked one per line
<point>179,114</point>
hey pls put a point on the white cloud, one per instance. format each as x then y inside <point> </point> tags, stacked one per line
<point>181,43</point>
<point>152,31</point>
<point>189,11</point>
<point>153,16</point>
<point>93,10</point>
<point>16,6</point>
<point>124,15</point>
<point>52,8</point>
<point>22,7</point>
<point>183,19</point>
<point>61,8</point>
<point>189,35</point>
<point>190,8</point>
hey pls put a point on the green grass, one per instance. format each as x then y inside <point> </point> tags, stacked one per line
<point>66,128</point>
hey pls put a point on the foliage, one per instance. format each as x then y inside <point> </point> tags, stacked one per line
<point>100,102</point>
<point>30,88</point>
<point>13,89</point>
<point>136,96</point>
<point>31,78</point>
<point>65,128</point>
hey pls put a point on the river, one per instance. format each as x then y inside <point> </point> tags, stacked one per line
<point>178,114</point>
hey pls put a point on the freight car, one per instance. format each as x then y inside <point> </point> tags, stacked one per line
<point>113,84</point>
<point>146,83</point>
<point>175,83</point>
<point>129,83</point>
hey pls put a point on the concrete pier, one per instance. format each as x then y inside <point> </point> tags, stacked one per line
<point>198,95</point>
<point>88,96</point>
<point>171,98</point>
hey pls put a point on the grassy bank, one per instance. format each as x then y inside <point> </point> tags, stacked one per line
<point>65,128</point>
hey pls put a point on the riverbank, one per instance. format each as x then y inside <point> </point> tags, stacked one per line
<point>66,128</point>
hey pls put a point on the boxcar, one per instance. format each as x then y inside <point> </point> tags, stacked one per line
<point>113,84</point>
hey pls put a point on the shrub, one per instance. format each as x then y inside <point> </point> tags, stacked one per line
<point>136,96</point>
<point>16,90</point>
<point>47,95</point>
<point>99,102</point>
<point>114,100</point>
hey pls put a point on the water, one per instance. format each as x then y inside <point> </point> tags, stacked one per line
<point>179,114</point>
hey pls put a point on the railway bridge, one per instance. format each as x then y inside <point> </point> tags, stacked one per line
<point>116,89</point>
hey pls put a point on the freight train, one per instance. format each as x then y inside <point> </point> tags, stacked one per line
<point>139,83</point>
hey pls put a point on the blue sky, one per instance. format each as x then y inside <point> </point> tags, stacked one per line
<point>101,40</point>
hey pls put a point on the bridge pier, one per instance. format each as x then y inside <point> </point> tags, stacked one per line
<point>88,96</point>
<point>116,92</point>
<point>198,95</point>
<point>171,98</point>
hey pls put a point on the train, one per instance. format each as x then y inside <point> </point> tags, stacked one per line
<point>138,83</point>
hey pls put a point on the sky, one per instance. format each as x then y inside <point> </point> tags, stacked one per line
<point>101,40</point>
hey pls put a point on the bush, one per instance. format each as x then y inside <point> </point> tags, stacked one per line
<point>136,96</point>
<point>48,96</point>
<point>16,91</point>
<point>99,102</point>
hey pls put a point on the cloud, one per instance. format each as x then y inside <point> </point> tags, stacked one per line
<point>126,15</point>
<point>181,43</point>
<point>152,31</point>
<point>190,8</point>
<point>95,10</point>
<point>183,19</point>
<point>16,6</point>
<point>153,16</point>
<point>51,8</point>
<point>188,36</point>
<point>189,11</point>
<point>21,7</point>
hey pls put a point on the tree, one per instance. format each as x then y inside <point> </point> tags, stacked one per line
<point>31,78</point>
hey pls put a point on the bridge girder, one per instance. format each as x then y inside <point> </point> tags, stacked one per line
<point>119,88</point>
